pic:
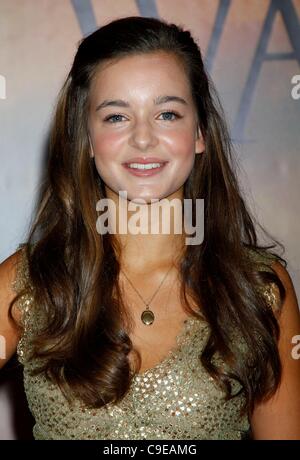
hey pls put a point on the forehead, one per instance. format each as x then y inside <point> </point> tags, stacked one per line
<point>141,73</point>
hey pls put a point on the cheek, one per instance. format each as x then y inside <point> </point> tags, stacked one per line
<point>181,143</point>
<point>106,145</point>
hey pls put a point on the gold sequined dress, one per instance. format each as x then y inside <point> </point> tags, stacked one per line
<point>175,400</point>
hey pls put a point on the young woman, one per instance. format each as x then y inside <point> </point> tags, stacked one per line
<point>140,335</point>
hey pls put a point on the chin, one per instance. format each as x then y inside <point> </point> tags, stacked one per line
<point>143,200</point>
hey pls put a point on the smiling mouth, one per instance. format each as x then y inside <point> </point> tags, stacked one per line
<point>145,169</point>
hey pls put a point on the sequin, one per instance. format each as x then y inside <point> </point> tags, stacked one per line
<point>176,399</point>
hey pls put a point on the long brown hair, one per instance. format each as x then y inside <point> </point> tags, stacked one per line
<point>74,270</point>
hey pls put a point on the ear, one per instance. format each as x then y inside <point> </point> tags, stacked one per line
<point>199,143</point>
<point>91,148</point>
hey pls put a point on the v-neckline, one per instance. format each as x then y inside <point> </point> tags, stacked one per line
<point>188,324</point>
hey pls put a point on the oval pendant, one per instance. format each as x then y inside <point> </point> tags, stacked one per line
<point>147,317</point>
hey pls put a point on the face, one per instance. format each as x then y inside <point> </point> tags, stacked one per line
<point>132,121</point>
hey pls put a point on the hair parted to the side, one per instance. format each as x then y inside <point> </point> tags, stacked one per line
<point>74,270</point>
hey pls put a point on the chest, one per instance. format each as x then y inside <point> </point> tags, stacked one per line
<point>154,341</point>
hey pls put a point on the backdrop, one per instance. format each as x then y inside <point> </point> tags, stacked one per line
<point>252,52</point>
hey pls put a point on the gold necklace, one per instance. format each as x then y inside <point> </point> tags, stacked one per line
<point>147,315</point>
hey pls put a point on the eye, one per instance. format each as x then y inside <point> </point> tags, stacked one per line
<point>115,117</point>
<point>169,114</point>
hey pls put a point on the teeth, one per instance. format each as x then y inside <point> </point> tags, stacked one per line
<point>144,166</point>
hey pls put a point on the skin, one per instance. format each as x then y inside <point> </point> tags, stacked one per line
<point>279,417</point>
<point>147,257</point>
<point>144,129</point>
<point>147,129</point>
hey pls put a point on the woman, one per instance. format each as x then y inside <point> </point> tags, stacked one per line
<point>141,335</point>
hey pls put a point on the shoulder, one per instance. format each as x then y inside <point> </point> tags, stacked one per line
<point>283,274</point>
<point>261,258</point>
<point>281,296</point>
<point>13,278</point>
<point>290,306</point>
<point>9,275</point>
<point>278,418</point>
<point>272,274</point>
<point>9,331</point>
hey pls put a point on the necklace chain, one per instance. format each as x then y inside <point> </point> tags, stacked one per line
<point>147,315</point>
<point>147,303</point>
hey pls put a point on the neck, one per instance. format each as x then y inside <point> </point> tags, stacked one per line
<point>161,238</point>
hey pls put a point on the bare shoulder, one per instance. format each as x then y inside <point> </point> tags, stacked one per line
<point>278,417</point>
<point>9,333</point>
<point>284,275</point>
<point>8,272</point>
<point>290,307</point>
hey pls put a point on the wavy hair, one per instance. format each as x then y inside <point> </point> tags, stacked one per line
<point>74,270</point>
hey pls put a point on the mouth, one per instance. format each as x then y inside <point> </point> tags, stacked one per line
<point>145,167</point>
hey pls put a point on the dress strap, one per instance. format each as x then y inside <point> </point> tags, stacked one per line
<point>21,275</point>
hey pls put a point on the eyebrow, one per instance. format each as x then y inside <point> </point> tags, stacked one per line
<point>157,101</point>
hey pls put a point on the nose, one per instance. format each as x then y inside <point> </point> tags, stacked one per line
<point>143,136</point>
